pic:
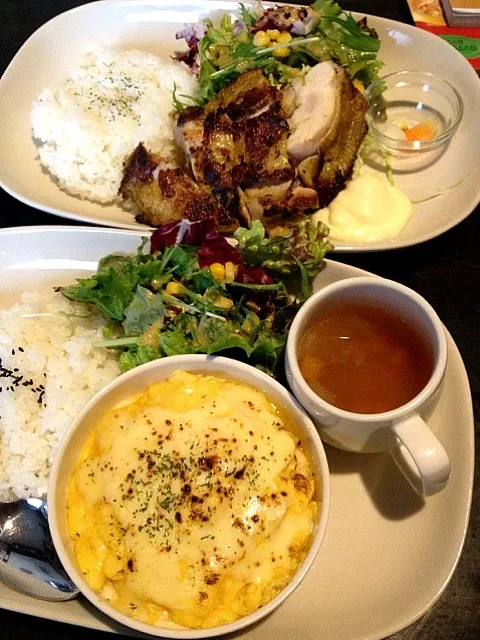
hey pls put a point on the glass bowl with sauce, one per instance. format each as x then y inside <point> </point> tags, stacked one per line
<point>413,115</point>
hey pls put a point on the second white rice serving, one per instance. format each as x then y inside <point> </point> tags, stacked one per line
<point>57,370</point>
<point>116,99</point>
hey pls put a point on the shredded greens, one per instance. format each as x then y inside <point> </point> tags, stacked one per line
<point>169,302</point>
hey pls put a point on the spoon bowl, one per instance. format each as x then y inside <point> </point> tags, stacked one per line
<point>28,560</point>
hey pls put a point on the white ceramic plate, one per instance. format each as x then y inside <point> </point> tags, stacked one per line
<point>151,25</point>
<point>386,556</point>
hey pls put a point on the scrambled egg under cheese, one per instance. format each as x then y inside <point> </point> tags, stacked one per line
<point>191,504</point>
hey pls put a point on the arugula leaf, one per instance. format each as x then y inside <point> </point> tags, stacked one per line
<point>267,351</point>
<point>183,260</point>
<point>177,104</point>
<point>206,88</point>
<point>248,18</point>
<point>216,336</point>
<point>180,336</point>
<point>118,262</point>
<point>305,281</point>
<point>110,291</point>
<point>145,308</point>
<point>203,280</point>
<point>256,287</point>
<point>244,50</point>
<point>175,343</point>
<point>136,356</point>
<point>114,285</point>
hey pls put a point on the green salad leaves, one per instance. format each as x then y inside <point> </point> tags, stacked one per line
<point>220,52</point>
<point>209,298</point>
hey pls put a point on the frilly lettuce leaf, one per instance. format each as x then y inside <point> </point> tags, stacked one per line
<point>305,243</point>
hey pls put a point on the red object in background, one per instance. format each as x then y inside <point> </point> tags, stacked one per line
<point>465,39</point>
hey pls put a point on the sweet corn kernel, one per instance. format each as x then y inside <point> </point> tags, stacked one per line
<point>224,60</point>
<point>281,52</point>
<point>230,271</point>
<point>175,289</point>
<point>284,37</point>
<point>223,303</point>
<point>272,33</point>
<point>260,39</point>
<point>218,270</point>
<point>358,85</point>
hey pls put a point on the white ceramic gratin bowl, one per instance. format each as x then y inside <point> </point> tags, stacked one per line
<point>134,382</point>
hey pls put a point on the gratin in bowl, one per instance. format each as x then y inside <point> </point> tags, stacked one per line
<point>134,382</point>
<point>406,98</point>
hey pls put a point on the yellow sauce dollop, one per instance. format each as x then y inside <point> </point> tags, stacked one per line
<point>369,209</point>
<point>191,504</point>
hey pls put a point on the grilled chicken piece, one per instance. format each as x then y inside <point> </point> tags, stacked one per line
<point>165,193</point>
<point>245,160</point>
<point>328,127</point>
<point>339,158</point>
<point>189,138</point>
<point>238,144</point>
<point>256,201</point>
<point>271,204</point>
<point>308,170</point>
<point>315,121</point>
<point>302,199</point>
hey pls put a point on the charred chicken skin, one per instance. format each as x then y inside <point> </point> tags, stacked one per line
<point>165,193</point>
<point>255,152</point>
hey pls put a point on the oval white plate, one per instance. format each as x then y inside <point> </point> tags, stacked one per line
<point>386,557</point>
<point>150,25</point>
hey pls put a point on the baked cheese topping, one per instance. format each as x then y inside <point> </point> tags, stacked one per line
<point>191,503</point>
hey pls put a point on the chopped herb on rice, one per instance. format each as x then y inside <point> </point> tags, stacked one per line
<point>87,126</point>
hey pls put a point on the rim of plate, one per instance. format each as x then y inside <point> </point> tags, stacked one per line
<point>458,371</point>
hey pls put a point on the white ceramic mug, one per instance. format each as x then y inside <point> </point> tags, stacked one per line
<point>402,431</point>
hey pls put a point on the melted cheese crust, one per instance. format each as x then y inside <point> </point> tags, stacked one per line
<point>191,504</point>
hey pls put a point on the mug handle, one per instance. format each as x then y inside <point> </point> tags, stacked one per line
<point>420,456</point>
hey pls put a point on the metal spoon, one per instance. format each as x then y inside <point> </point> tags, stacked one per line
<point>28,561</point>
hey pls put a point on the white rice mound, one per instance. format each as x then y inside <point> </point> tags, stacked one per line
<point>58,358</point>
<point>116,99</point>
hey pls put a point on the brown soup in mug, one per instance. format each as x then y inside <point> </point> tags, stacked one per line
<point>363,358</point>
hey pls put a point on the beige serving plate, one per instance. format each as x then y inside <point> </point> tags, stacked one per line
<point>150,25</point>
<point>387,556</point>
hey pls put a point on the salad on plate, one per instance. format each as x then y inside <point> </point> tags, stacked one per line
<point>193,292</point>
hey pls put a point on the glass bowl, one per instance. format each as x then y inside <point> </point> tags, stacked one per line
<point>412,112</point>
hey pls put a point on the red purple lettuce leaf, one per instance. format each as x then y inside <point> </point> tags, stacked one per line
<point>216,248</point>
